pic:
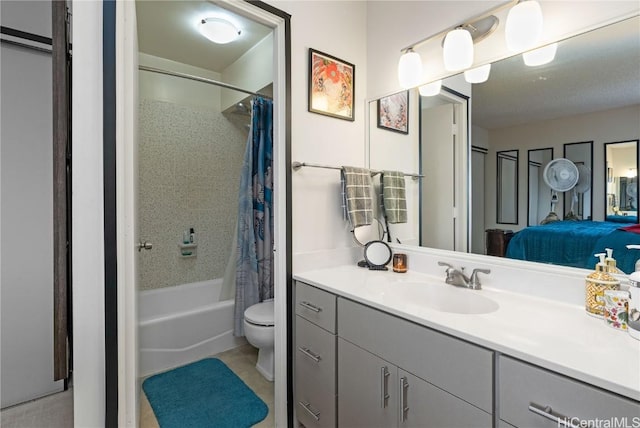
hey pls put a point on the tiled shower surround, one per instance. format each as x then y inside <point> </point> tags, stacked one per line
<point>190,161</point>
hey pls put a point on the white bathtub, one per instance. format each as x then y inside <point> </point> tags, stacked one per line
<point>181,324</point>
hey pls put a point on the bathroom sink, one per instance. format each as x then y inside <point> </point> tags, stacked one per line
<point>445,298</point>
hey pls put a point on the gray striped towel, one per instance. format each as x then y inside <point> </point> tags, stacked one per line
<point>357,204</point>
<point>394,200</point>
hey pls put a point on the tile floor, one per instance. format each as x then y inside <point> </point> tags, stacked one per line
<point>52,411</point>
<point>242,361</point>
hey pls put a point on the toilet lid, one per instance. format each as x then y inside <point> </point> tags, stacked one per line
<point>260,313</point>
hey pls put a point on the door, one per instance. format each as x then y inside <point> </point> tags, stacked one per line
<point>26,227</point>
<point>367,389</point>
<point>423,405</point>
<point>127,212</point>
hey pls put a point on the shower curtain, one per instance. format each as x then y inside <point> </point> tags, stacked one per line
<point>254,263</point>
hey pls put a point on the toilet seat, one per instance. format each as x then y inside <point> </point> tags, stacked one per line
<point>260,314</point>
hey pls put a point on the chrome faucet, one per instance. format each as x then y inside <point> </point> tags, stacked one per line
<point>459,279</point>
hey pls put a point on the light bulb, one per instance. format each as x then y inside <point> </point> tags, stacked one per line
<point>540,56</point>
<point>458,50</point>
<point>409,69</point>
<point>524,26</point>
<point>218,30</point>
<point>430,89</point>
<point>478,74</point>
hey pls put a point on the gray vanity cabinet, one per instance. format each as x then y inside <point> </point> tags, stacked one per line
<point>434,380</point>
<point>315,356</point>
<point>533,397</point>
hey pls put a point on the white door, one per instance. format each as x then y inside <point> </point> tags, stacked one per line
<point>438,187</point>
<point>127,202</point>
<point>26,170</point>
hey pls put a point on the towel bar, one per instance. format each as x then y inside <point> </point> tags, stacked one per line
<point>297,165</point>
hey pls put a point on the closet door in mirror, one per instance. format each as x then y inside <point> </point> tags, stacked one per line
<point>507,189</point>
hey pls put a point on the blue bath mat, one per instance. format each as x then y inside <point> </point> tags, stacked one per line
<point>203,394</point>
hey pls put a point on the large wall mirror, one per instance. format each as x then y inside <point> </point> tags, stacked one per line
<point>621,181</point>
<point>589,93</point>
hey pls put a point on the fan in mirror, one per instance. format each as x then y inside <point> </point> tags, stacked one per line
<point>583,184</point>
<point>561,175</point>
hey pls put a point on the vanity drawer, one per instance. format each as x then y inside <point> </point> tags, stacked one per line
<point>315,351</point>
<point>316,305</point>
<point>523,388</point>
<point>458,367</point>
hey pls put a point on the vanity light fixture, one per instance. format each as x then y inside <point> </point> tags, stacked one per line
<point>409,69</point>
<point>540,56</point>
<point>523,28</point>
<point>218,30</point>
<point>430,89</point>
<point>457,50</point>
<point>478,74</point>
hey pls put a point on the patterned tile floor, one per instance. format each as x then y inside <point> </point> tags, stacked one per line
<point>52,411</point>
<point>242,361</point>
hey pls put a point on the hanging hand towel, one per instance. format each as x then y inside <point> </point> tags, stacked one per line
<point>394,200</point>
<point>356,195</point>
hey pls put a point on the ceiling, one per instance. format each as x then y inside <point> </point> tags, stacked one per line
<point>168,29</point>
<point>595,71</point>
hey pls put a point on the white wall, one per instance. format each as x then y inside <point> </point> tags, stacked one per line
<point>602,127</point>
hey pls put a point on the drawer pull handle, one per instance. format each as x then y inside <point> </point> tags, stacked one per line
<point>308,353</point>
<point>310,306</point>
<point>384,379</point>
<point>404,392</point>
<point>307,407</point>
<point>559,419</point>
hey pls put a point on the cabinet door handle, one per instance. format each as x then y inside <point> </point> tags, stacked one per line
<point>308,353</point>
<point>307,407</point>
<point>310,306</point>
<point>404,392</point>
<point>559,419</point>
<point>384,387</point>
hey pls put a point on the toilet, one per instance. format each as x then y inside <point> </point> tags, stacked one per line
<point>259,331</point>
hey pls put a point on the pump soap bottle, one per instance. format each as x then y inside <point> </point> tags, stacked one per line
<point>595,285</point>
<point>633,322</point>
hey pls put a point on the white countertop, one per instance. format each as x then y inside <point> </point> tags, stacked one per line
<point>557,336</point>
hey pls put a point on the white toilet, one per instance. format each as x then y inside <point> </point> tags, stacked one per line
<point>259,331</point>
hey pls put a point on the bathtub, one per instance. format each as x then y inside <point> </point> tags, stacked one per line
<point>184,323</point>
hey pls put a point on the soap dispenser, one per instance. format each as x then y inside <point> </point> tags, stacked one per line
<point>595,285</point>
<point>611,262</point>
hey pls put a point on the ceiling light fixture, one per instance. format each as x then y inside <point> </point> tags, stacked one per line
<point>430,89</point>
<point>523,29</point>
<point>540,56</point>
<point>458,50</point>
<point>478,74</point>
<point>409,69</point>
<point>218,30</point>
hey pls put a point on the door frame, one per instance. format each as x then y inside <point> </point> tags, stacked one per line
<point>126,233</point>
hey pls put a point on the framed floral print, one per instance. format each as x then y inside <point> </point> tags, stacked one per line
<point>331,85</point>
<point>393,112</point>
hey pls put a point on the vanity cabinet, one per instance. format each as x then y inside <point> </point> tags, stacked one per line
<point>315,357</point>
<point>534,397</point>
<point>394,373</point>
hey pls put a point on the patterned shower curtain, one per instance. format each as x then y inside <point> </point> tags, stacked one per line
<point>254,264</point>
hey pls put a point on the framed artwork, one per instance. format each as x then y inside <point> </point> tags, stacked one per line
<point>393,112</point>
<point>331,85</point>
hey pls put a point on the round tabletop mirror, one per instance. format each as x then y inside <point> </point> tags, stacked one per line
<point>377,254</point>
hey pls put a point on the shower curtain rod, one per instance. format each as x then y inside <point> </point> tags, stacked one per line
<point>297,165</point>
<point>201,79</point>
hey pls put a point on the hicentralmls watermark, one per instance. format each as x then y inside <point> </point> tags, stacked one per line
<point>615,422</point>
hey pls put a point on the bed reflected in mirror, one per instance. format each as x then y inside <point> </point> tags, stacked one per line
<point>621,166</point>
<point>507,191</point>
<point>539,194</point>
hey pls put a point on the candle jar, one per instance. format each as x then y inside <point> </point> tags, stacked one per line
<point>400,262</point>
